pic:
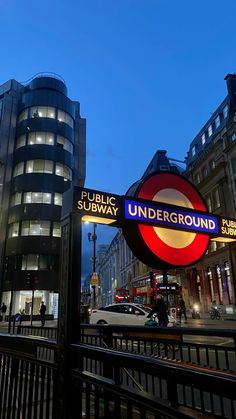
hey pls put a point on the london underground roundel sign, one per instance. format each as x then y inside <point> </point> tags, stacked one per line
<point>160,247</point>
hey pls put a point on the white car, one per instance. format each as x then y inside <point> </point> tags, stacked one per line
<point>124,313</point>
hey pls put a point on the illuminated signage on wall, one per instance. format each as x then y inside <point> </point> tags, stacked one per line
<point>164,216</point>
<point>165,222</point>
<point>98,206</point>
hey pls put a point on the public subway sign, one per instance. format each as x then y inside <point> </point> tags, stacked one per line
<point>164,219</point>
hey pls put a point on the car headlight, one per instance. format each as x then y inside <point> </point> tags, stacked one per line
<point>196,307</point>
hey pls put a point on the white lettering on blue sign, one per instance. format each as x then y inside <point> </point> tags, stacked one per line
<point>164,216</point>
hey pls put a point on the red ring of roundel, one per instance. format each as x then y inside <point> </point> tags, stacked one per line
<point>173,256</point>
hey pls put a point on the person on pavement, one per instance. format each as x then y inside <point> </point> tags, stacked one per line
<point>42,313</point>
<point>160,310</point>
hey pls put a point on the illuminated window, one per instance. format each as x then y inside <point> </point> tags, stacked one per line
<point>203,139</point>
<point>35,228</point>
<point>21,141</point>
<point>58,199</point>
<point>13,230</point>
<point>42,112</point>
<point>56,229</point>
<point>193,151</point>
<point>18,169</point>
<point>41,138</point>
<point>64,117</point>
<point>220,285</point>
<point>34,262</point>
<point>64,171</point>
<point>23,115</point>
<point>66,144</point>
<point>39,166</point>
<point>37,198</point>
<point>228,279</point>
<point>210,279</point>
<point>16,199</point>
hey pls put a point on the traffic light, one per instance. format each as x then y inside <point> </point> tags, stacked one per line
<point>151,276</point>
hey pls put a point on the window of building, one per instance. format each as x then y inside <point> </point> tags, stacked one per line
<point>213,246</point>
<point>23,115</point>
<point>18,169</point>
<point>56,229</point>
<point>229,286</point>
<point>233,137</point>
<point>21,141</point>
<point>13,230</point>
<point>193,151</point>
<point>197,178</point>
<point>219,279</point>
<point>34,262</point>
<point>66,144</point>
<point>37,198</point>
<point>204,172</point>
<point>58,199</point>
<point>216,198</point>
<point>41,138</point>
<point>203,137</point>
<point>209,130</point>
<point>208,202</point>
<point>16,199</point>
<point>225,111</point>
<point>217,121</point>
<point>210,279</point>
<point>212,164</point>
<point>42,112</point>
<point>39,166</point>
<point>64,171</point>
<point>64,117</point>
<point>35,228</point>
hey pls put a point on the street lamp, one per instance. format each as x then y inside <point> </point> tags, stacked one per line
<point>93,238</point>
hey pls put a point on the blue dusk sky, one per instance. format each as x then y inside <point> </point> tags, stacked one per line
<point>147,73</point>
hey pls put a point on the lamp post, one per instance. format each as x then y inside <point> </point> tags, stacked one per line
<point>93,238</point>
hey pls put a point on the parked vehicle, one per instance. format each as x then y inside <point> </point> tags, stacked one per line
<point>196,311</point>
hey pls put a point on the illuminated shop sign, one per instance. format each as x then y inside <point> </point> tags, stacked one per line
<point>164,219</point>
<point>178,218</point>
<point>227,227</point>
<point>98,204</point>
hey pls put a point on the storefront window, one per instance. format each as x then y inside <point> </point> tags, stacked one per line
<point>210,280</point>
<point>229,287</point>
<point>219,279</point>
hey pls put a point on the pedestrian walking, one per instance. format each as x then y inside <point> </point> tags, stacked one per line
<point>160,310</point>
<point>42,313</point>
<point>182,310</point>
<point>3,310</point>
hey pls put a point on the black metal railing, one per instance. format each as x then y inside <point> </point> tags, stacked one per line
<point>181,344</point>
<point>102,387</point>
<point>27,376</point>
<point>107,382</point>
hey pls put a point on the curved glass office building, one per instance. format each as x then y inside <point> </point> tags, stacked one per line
<point>42,151</point>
